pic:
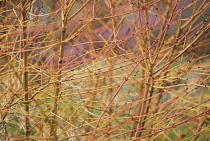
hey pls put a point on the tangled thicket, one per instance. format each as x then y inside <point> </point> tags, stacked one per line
<point>104,70</point>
